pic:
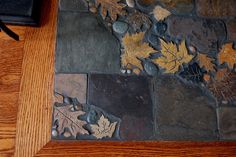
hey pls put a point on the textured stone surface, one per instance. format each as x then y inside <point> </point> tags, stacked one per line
<point>85,45</point>
<point>74,5</point>
<point>183,111</point>
<point>204,34</point>
<point>227,123</point>
<point>216,8</point>
<point>72,85</point>
<point>126,97</point>
<point>178,6</point>
<point>231,30</point>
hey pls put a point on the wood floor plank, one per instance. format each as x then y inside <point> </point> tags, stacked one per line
<point>135,149</point>
<point>11,56</point>
<point>34,112</point>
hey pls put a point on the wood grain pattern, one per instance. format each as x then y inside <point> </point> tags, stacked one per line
<point>147,149</point>
<point>11,55</point>
<point>35,111</point>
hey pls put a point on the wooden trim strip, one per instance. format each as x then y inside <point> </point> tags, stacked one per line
<point>35,111</point>
<point>147,149</point>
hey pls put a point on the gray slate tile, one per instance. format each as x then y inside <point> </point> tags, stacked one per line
<point>73,5</point>
<point>84,45</point>
<point>227,123</point>
<point>183,111</point>
<point>126,97</point>
<point>204,34</point>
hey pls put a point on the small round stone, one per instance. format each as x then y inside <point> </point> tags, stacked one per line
<point>54,133</point>
<point>192,49</point>
<point>120,27</point>
<point>128,71</point>
<point>67,100</point>
<point>150,68</point>
<point>130,3</point>
<point>123,71</point>
<point>92,116</point>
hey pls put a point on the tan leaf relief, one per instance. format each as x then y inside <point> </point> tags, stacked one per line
<point>113,7</point>
<point>173,56</point>
<point>135,48</point>
<point>104,128</point>
<point>206,62</point>
<point>138,19</point>
<point>68,118</point>
<point>160,13</point>
<point>227,54</point>
<point>58,98</point>
<point>223,86</point>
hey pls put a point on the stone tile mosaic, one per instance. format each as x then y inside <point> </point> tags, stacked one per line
<point>145,70</point>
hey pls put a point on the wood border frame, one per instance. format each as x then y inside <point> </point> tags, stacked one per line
<point>33,135</point>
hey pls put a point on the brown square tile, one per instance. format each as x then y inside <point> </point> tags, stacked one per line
<point>72,85</point>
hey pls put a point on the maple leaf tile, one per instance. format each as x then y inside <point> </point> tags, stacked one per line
<point>135,48</point>
<point>173,57</point>
<point>104,128</point>
<point>227,55</point>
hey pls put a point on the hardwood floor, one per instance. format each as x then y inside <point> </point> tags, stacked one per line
<point>26,72</point>
<point>11,57</point>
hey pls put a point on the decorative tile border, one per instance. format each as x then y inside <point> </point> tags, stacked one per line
<point>152,70</point>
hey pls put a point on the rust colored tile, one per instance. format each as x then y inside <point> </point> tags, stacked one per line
<point>72,85</point>
<point>216,8</point>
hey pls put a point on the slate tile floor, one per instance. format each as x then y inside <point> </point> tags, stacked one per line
<point>145,70</point>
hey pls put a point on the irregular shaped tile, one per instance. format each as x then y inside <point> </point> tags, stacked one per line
<point>94,117</point>
<point>204,34</point>
<point>216,8</point>
<point>178,6</point>
<point>73,5</point>
<point>227,123</point>
<point>84,45</point>
<point>66,121</point>
<point>231,30</point>
<point>146,5</point>
<point>182,110</point>
<point>85,122</point>
<point>73,85</point>
<point>126,97</point>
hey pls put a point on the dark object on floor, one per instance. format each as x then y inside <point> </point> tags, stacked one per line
<point>22,12</point>
<point>8,31</point>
